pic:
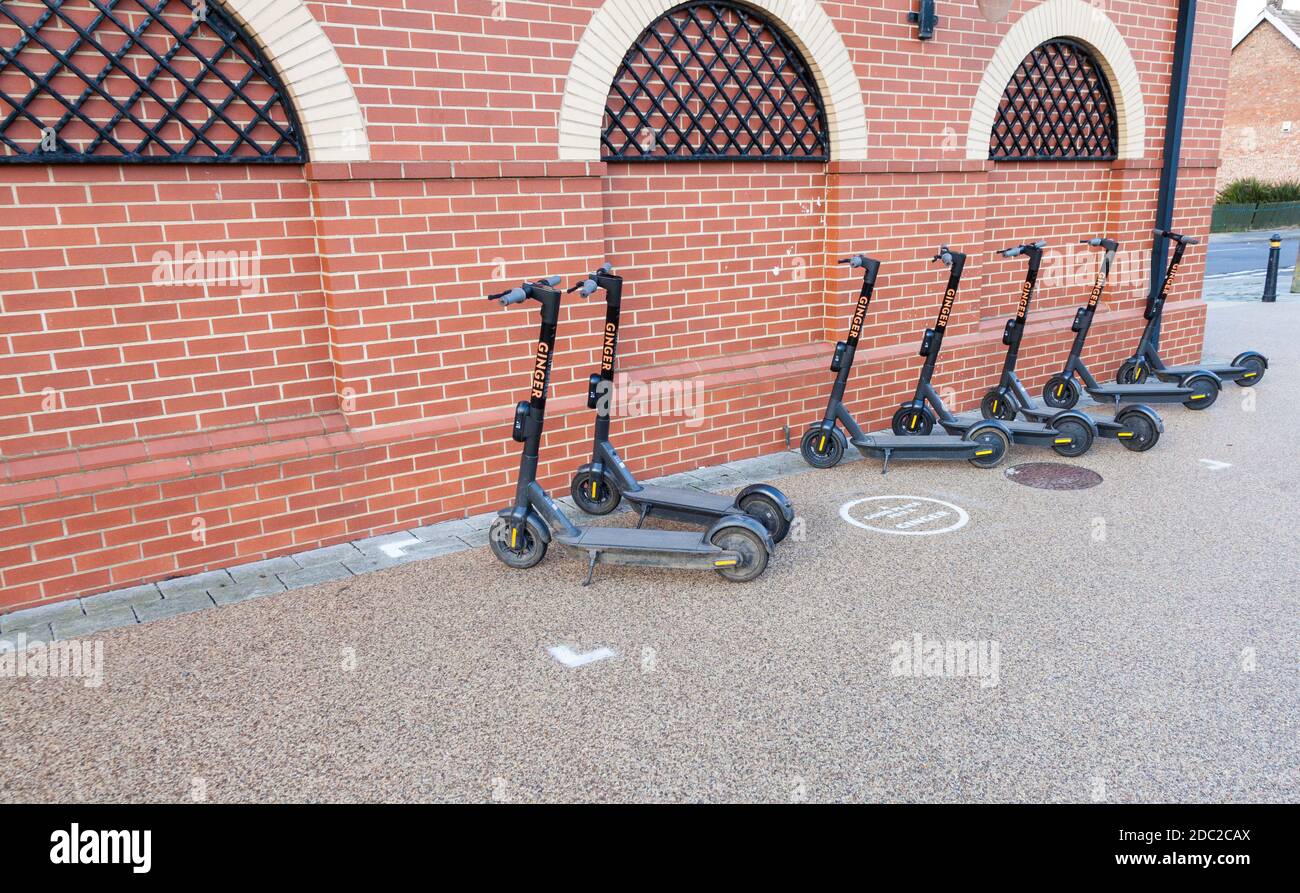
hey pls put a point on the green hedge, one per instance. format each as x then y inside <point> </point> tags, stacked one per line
<point>1250,191</point>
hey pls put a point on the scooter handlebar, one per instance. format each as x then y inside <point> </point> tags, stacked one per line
<point>514,296</point>
<point>862,262</point>
<point>1177,237</point>
<point>585,288</point>
<point>1100,242</point>
<point>1017,250</point>
<point>947,255</point>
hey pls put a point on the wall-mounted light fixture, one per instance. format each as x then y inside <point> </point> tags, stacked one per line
<point>926,19</point>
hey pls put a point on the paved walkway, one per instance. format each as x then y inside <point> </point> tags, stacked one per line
<point>182,595</point>
<point>1132,641</point>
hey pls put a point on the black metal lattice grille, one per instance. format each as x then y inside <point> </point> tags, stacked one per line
<point>137,81</point>
<point>714,81</point>
<point>1058,106</point>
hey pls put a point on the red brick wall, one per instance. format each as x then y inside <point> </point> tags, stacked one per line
<point>1262,94</point>
<point>148,431</point>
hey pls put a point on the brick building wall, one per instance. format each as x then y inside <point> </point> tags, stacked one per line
<point>365,385</point>
<point>1262,94</point>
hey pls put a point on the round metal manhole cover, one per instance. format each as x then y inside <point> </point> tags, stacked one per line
<point>1053,476</point>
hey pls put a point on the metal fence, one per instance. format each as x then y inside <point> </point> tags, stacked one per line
<point>1272,215</point>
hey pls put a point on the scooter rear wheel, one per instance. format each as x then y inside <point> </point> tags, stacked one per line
<point>989,437</point>
<point>763,509</point>
<point>752,551</point>
<point>995,405</point>
<point>821,449</point>
<point>1060,392</point>
<point>1144,432</point>
<point>1205,390</point>
<point>594,495</point>
<point>522,550</point>
<point>1253,365</point>
<point>1080,434</point>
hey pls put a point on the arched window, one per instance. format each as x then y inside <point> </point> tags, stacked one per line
<point>137,81</point>
<point>714,81</point>
<point>1057,106</point>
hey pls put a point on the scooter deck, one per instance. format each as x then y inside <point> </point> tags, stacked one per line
<point>628,539</point>
<point>1223,370</point>
<point>1140,393</point>
<point>1022,431</point>
<point>1105,427</point>
<point>681,499</point>
<point>927,446</point>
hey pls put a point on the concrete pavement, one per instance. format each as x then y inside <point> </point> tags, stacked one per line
<point>1142,638</point>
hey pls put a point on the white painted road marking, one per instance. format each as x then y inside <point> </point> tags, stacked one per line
<point>906,515</point>
<point>394,550</point>
<point>570,658</point>
<point>1216,465</point>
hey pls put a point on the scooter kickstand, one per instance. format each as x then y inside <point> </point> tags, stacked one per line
<point>591,568</point>
<point>884,469</point>
<point>645,510</point>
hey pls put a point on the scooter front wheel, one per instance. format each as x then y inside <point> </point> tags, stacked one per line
<point>821,448</point>
<point>1060,392</point>
<point>912,420</point>
<point>518,548</point>
<point>996,405</point>
<point>763,509</point>
<point>1131,372</point>
<point>594,494</point>
<point>751,549</point>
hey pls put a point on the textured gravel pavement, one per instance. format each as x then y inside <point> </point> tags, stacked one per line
<point>1147,633</point>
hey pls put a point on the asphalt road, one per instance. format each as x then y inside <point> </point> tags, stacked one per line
<point>1248,252</point>
<point>1146,633</point>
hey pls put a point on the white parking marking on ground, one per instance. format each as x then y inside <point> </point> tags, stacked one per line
<point>906,515</point>
<point>394,550</point>
<point>1216,465</point>
<point>570,658</point>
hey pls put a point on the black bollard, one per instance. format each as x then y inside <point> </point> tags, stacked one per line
<point>1270,277</point>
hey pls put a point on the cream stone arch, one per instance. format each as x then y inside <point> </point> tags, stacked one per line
<point>616,26</point>
<point>1081,21</point>
<point>292,41</point>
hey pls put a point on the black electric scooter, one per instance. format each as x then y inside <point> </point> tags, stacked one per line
<point>1198,390</point>
<point>599,485</point>
<point>1246,369</point>
<point>1069,433</point>
<point>984,445</point>
<point>1137,427</point>
<point>736,546</point>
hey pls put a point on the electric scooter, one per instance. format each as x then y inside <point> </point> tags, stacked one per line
<point>1069,433</point>
<point>984,445</point>
<point>1198,390</point>
<point>1246,369</point>
<point>602,483</point>
<point>736,546</point>
<point>1137,427</point>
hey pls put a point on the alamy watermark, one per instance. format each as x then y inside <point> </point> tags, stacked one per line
<point>662,397</point>
<point>177,265</point>
<point>946,658</point>
<point>69,658</point>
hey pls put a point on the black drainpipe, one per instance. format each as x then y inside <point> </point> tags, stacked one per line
<point>1174,115</point>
